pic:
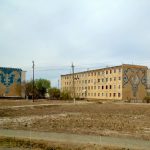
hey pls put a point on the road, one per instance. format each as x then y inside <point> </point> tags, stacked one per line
<point>82,139</point>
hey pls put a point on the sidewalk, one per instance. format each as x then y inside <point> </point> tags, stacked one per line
<point>82,139</point>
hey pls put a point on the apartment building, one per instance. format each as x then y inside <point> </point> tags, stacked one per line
<point>148,82</point>
<point>119,82</point>
<point>11,80</point>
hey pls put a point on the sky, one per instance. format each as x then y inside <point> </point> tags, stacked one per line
<point>89,33</point>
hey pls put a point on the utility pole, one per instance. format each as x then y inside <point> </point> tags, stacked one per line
<point>73,83</point>
<point>33,82</point>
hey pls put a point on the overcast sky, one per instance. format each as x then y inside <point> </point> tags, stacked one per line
<point>90,33</point>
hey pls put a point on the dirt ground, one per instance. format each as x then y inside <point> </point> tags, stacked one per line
<point>9,102</point>
<point>123,120</point>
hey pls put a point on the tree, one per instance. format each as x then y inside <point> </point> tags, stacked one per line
<point>40,88</point>
<point>54,93</point>
<point>42,85</point>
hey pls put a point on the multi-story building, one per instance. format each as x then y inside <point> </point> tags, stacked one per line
<point>148,82</point>
<point>11,80</point>
<point>119,82</point>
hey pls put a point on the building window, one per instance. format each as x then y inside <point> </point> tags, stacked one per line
<point>119,70</point>
<point>110,94</point>
<point>110,86</point>
<point>114,86</point>
<point>95,74</point>
<point>114,78</point>
<point>99,80</point>
<point>119,86</point>
<point>110,79</point>
<point>102,87</point>
<point>98,87</point>
<point>110,71</point>
<point>98,94</point>
<point>119,95</point>
<point>106,94</point>
<point>89,81</point>
<point>91,87</point>
<point>119,78</point>
<point>102,94</point>
<point>106,72</point>
<point>102,79</point>
<point>88,87</point>
<point>114,94</point>
<point>106,79</point>
<point>95,87</point>
<point>106,86</point>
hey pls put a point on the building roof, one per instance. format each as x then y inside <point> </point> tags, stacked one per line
<point>107,68</point>
<point>19,69</point>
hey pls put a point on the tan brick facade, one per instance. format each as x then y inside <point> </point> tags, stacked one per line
<point>119,82</point>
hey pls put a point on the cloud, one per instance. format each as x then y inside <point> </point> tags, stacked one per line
<point>84,32</point>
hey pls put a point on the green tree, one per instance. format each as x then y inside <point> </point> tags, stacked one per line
<point>54,93</point>
<point>40,87</point>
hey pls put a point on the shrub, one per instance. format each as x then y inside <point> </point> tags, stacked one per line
<point>54,93</point>
<point>147,99</point>
<point>65,95</point>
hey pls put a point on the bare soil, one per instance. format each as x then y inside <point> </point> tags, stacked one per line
<point>9,102</point>
<point>121,120</point>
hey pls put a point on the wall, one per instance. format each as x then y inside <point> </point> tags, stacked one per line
<point>92,84</point>
<point>134,82</point>
<point>10,82</point>
<point>148,82</point>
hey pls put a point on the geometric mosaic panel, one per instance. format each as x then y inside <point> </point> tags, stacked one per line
<point>9,76</point>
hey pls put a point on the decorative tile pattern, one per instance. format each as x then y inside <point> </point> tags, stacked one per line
<point>9,77</point>
<point>135,77</point>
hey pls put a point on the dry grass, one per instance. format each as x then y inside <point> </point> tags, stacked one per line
<point>44,145</point>
<point>5,102</point>
<point>98,119</point>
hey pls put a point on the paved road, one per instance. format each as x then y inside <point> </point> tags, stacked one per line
<point>74,138</point>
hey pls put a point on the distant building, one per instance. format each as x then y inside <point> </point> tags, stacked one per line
<point>148,82</point>
<point>124,82</point>
<point>11,82</point>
